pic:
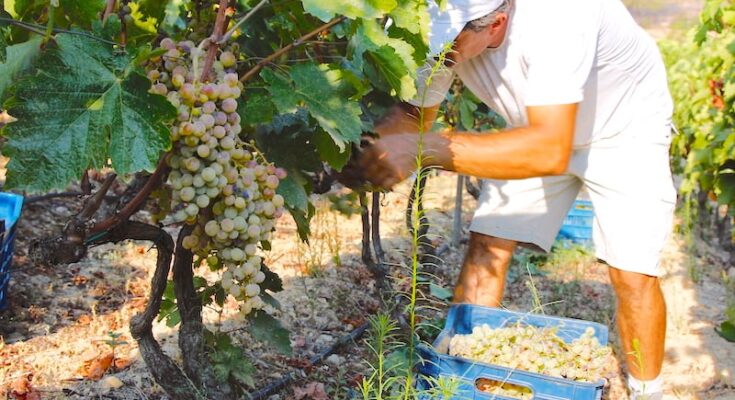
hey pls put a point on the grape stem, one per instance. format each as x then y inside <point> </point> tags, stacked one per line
<point>241,21</point>
<point>220,24</point>
<point>285,49</point>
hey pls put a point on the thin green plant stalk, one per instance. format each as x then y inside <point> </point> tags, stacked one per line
<point>416,215</point>
<point>52,5</point>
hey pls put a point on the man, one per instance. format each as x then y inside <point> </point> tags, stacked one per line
<point>585,93</point>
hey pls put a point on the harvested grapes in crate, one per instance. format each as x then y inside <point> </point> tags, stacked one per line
<point>513,355</point>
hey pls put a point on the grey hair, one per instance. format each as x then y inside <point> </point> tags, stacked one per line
<point>481,23</point>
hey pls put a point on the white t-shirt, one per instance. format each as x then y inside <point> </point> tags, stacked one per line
<point>589,52</point>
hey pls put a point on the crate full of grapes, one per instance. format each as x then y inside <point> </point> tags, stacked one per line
<point>489,353</point>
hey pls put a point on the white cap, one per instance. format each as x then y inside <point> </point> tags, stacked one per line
<point>445,25</point>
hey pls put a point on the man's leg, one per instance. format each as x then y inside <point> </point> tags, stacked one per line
<point>482,279</point>
<point>641,317</point>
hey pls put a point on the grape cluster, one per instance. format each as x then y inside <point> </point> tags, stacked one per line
<point>533,349</point>
<point>220,184</point>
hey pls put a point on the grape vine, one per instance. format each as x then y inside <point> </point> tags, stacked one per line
<point>202,105</point>
<point>702,79</point>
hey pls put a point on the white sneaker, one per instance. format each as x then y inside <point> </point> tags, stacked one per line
<point>649,396</point>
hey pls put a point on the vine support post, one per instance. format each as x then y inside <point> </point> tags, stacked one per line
<point>377,245</point>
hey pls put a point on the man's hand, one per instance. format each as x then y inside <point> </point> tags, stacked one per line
<point>390,160</point>
<point>393,158</point>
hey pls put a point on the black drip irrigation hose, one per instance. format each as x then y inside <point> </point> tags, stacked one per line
<point>276,386</point>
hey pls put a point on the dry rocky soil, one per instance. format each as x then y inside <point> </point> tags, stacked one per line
<point>59,319</point>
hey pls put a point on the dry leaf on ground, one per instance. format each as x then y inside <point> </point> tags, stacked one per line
<point>310,391</point>
<point>96,368</point>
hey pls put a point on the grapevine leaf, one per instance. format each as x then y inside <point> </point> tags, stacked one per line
<point>4,14</point>
<point>329,152</point>
<point>467,110</point>
<point>84,105</point>
<point>413,16</point>
<point>301,219</point>
<point>19,59</point>
<point>270,300</point>
<point>152,8</point>
<point>272,281</point>
<point>293,193</point>
<point>286,135</point>
<point>725,187</point>
<point>440,292</point>
<point>325,10</point>
<point>109,29</point>
<point>82,12</point>
<point>169,310</point>
<point>267,329</point>
<point>324,94</point>
<point>392,57</point>
<point>727,331</point>
<point>281,90</point>
<point>230,361</point>
<point>258,109</point>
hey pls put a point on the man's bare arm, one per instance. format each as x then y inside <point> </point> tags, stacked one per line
<point>542,148</point>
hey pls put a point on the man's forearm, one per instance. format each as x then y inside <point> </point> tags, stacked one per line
<point>542,148</point>
<point>512,154</point>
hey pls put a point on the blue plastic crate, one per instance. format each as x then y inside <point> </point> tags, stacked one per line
<point>10,208</point>
<point>577,225</point>
<point>463,317</point>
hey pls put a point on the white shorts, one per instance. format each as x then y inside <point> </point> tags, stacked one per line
<point>629,183</point>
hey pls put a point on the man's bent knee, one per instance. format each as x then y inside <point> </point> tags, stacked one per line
<point>628,283</point>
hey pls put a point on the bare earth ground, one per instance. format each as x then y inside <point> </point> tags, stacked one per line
<point>59,318</point>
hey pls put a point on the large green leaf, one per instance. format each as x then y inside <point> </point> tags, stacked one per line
<point>153,8</point>
<point>329,152</point>
<point>81,12</point>
<point>257,109</point>
<point>19,58</point>
<point>393,57</point>
<point>265,328</point>
<point>84,105</point>
<point>293,192</point>
<point>326,10</point>
<point>325,96</point>
<point>413,16</point>
<point>281,90</point>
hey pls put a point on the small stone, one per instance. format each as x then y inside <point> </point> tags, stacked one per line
<point>61,210</point>
<point>335,360</point>
<point>324,339</point>
<point>111,382</point>
<point>731,273</point>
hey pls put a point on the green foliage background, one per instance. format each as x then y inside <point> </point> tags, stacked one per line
<point>702,79</point>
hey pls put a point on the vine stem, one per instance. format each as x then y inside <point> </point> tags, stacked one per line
<point>285,49</point>
<point>53,4</point>
<point>130,208</point>
<point>39,29</point>
<point>242,20</point>
<point>219,28</point>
